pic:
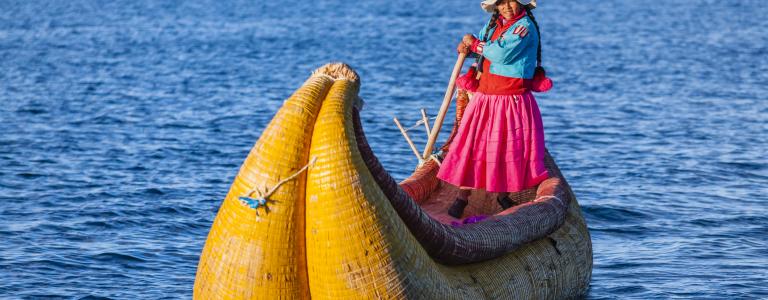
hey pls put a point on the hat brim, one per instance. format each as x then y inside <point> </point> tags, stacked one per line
<point>489,6</point>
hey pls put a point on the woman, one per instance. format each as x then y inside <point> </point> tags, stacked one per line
<point>499,145</point>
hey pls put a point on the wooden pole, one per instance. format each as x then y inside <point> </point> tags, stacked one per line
<point>408,139</point>
<point>425,119</point>
<point>444,108</point>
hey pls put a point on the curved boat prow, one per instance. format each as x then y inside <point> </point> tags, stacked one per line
<point>257,249</point>
<point>346,229</point>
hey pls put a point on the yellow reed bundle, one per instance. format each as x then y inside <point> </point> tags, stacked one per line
<point>250,256</point>
<point>332,233</point>
<point>358,248</point>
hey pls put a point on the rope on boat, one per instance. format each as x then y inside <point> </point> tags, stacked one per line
<point>425,122</point>
<point>434,157</point>
<point>262,196</point>
<point>418,123</point>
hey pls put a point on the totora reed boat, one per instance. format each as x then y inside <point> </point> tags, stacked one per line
<point>313,214</point>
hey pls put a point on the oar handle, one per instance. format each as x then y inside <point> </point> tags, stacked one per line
<point>444,107</point>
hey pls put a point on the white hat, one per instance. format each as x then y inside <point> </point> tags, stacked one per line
<point>490,5</point>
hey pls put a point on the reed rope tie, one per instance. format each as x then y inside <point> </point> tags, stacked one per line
<point>328,76</point>
<point>359,101</point>
<point>262,195</point>
<point>418,123</point>
<point>434,157</point>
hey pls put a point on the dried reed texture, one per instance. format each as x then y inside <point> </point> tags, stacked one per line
<point>357,234</point>
<point>477,242</point>
<point>357,247</point>
<point>422,182</point>
<point>250,256</point>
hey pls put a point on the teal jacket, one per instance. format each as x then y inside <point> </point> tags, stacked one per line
<point>512,55</point>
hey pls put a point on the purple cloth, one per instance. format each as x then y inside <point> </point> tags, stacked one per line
<point>469,220</point>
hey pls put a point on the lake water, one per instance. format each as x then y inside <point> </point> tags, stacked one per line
<point>123,124</point>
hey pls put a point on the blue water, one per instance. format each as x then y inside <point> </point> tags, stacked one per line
<point>123,123</point>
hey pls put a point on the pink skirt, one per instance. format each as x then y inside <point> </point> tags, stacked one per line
<point>499,146</point>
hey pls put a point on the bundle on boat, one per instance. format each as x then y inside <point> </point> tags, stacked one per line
<point>342,227</point>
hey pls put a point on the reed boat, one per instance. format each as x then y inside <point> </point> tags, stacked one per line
<point>313,214</point>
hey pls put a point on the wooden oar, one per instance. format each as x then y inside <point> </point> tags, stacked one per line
<point>444,108</point>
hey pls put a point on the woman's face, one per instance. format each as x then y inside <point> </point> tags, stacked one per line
<point>508,8</point>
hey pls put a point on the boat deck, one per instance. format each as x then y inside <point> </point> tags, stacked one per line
<point>480,202</point>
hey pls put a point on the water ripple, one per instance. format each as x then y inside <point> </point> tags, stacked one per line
<point>124,123</point>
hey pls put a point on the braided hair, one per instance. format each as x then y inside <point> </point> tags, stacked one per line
<point>492,25</point>
<point>486,36</point>
<point>529,11</point>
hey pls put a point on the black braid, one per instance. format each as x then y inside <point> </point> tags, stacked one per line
<point>485,38</point>
<point>538,32</point>
<point>491,25</point>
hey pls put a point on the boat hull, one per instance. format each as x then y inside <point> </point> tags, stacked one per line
<point>346,229</point>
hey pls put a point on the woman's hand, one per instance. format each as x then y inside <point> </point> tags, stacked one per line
<point>469,43</point>
<point>468,39</point>
<point>464,48</point>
